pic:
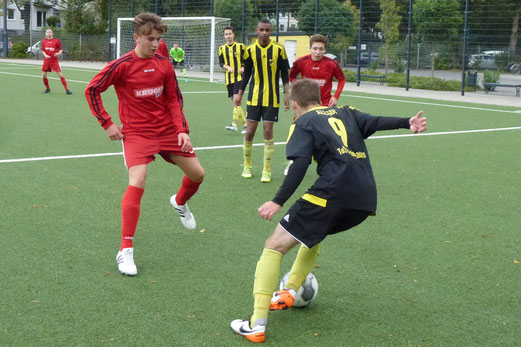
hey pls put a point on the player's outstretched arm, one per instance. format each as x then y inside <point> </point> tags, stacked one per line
<point>418,124</point>
<point>114,132</point>
<point>269,209</point>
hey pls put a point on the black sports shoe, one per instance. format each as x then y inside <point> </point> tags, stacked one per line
<point>47,91</point>
<point>68,92</point>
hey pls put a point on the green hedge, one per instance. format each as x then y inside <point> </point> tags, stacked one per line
<point>18,50</point>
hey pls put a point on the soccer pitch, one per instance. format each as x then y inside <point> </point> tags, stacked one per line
<point>439,265</point>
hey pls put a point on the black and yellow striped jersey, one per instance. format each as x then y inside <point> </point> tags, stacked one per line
<point>265,65</point>
<point>231,55</point>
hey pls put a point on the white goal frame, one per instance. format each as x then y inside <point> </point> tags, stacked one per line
<point>212,56</point>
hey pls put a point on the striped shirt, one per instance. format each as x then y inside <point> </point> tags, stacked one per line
<point>231,55</point>
<point>265,65</point>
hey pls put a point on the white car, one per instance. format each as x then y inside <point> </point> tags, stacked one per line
<point>36,50</point>
<point>485,60</point>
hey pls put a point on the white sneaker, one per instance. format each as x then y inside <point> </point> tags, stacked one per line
<point>255,334</point>
<point>187,218</point>
<point>243,130</point>
<point>125,260</point>
<point>231,127</point>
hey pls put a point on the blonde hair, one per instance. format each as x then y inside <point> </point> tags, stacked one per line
<point>144,23</point>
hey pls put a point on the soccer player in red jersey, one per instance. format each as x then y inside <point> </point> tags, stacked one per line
<point>153,122</point>
<point>51,49</point>
<point>320,68</point>
<point>163,49</point>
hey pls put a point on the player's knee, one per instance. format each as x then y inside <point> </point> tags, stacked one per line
<point>198,176</point>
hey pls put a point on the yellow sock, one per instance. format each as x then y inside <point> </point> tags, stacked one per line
<point>240,115</point>
<point>184,72</point>
<point>246,150</point>
<point>235,116</point>
<point>303,264</point>
<point>269,147</point>
<point>266,279</point>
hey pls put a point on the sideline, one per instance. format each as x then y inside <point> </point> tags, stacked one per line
<point>5,161</point>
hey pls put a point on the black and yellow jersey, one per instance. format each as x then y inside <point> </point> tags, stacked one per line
<point>334,137</point>
<point>265,65</point>
<point>231,55</point>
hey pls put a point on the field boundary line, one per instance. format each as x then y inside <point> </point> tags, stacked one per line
<point>79,156</point>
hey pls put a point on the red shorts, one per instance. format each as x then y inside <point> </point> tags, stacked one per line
<point>52,64</point>
<point>140,147</point>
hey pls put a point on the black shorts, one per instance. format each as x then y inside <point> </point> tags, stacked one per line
<point>310,223</point>
<point>181,63</point>
<point>266,113</point>
<point>233,88</point>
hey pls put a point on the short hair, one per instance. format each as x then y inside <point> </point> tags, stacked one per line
<point>264,21</point>
<point>144,23</point>
<point>317,38</point>
<point>228,27</point>
<point>305,92</point>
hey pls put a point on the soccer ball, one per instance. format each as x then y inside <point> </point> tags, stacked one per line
<point>306,293</point>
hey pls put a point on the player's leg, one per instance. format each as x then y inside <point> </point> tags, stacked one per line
<point>253,116</point>
<point>233,126</point>
<point>130,210</point>
<point>183,69</point>
<point>266,278</point>
<point>64,82</point>
<point>238,109</point>
<point>302,266</point>
<point>194,176</point>
<point>269,148</point>
<point>45,80</point>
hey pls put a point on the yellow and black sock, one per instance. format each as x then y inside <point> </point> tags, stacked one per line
<point>266,279</point>
<point>246,150</point>
<point>240,114</point>
<point>303,264</point>
<point>235,116</point>
<point>269,148</point>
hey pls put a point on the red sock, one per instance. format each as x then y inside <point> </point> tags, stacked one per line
<point>64,82</point>
<point>130,208</point>
<point>187,190</point>
<point>46,82</point>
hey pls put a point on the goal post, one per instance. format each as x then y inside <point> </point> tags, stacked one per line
<point>199,37</point>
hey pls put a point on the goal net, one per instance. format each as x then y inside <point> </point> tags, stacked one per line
<point>199,37</point>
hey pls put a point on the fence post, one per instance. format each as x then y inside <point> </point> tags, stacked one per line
<point>110,30</point>
<point>4,32</point>
<point>409,38</point>
<point>243,33</point>
<point>316,16</point>
<point>464,59</point>
<point>359,46</point>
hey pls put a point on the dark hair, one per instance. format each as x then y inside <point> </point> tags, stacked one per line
<point>144,23</point>
<point>228,27</point>
<point>264,21</point>
<point>305,92</point>
<point>317,38</point>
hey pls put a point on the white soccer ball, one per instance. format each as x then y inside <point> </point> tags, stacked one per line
<point>306,293</point>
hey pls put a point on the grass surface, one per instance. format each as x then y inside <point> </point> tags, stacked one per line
<point>438,265</point>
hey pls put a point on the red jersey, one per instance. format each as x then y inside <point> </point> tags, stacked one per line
<point>51,46</point>
<point>163,49</point>
<point>148,93</point>
<point>321,71</point>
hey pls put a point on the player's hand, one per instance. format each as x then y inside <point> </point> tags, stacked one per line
<point>268,210</point>
<point>286,101</point>
<point>332,102</point>
<point>417,124</point>
<point>114,132</point>
<point>237,99</point>
<point>230,69</point>
<point>241,70</point>
<point>183,140</point>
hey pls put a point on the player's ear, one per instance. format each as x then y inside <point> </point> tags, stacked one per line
<point>136,37</point>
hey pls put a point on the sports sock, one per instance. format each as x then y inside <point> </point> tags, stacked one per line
<point>64,82</point>
<point>269,147</point>
<point>184,72</point>
<point>240,114</point>
<point>266,278</point>
<point>187,190</point>
<point>246,150</point>
<point>235,116</point>
<point>46,82</point>
<point>303,264</point>
<point>130,208</point>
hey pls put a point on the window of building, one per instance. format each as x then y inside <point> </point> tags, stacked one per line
<point>10,14</point>
<point>40,18</point>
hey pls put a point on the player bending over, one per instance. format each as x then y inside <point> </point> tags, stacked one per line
<point>342,197</point>
<point>51,50</point>
<point>152,122</point>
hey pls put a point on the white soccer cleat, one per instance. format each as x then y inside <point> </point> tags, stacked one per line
<point>243,130</point>
<point>255,334</point>
<point>125,260</point>
<point>231,127</point>
<point>187,218</point>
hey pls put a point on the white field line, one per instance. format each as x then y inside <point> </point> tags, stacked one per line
<point>5,161</point>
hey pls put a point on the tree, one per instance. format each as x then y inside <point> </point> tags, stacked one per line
<point>233,9</point>
<point>336,21</point>
<point>437,21</point>
<point>389,24</point>
<point>83,16</point>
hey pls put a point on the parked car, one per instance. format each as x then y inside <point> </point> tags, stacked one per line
<point>484,60</point>
<point>36,50</point>
<point>364,58</point>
